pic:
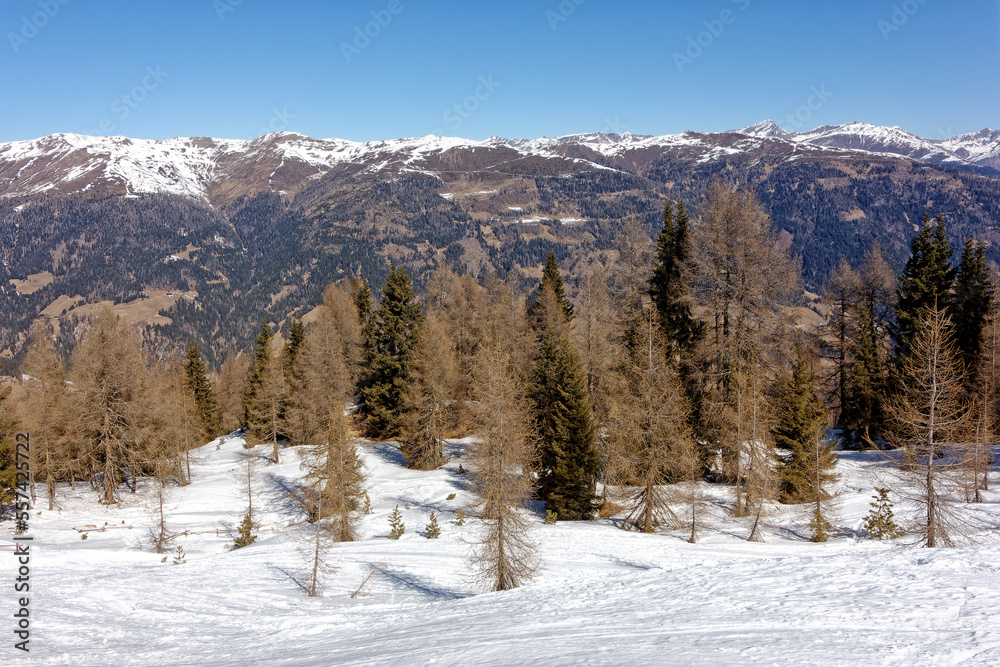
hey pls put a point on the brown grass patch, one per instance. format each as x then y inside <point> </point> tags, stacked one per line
<point>33,283</point>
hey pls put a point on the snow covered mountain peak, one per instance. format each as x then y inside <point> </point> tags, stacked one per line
<point>766,128</point>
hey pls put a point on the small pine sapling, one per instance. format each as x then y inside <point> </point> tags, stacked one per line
<point>451,496</point>
<point>819,526</point>
<point>460,518</point>
<point>180,557</point>
<point>246,535</point>
<point>550,517</point>
<point>396,524</point>
<point>879,522</point>
<point>432,531</point>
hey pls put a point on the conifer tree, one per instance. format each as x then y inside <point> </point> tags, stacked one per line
<point>930,414</point>
<point>974,290</point>
<point>650,432</point>
<point>925,283</point>
<point>505,555</point>
<point>389,355</point>
<point>110,403</point>
<point>176,422</point>
<point>552,280</point>
<point>200,390</point>
<point>8,458</point>
<point>296,336</point>
<point>879,522</point>
<point>432,393</point>
<point>595,333</point>
<point>800,427</point>
<point>257,370</point>
<point>318,412</point>
<point>46,410</point>
<point>396,526</point>
<point>230,386</point>
<point>432,531</point>
<point>264,399</point>
<point>671,282</point>
<point>569,461</point>
<point>865,382</point>
<point>842,295</point>
<point>247,479</point>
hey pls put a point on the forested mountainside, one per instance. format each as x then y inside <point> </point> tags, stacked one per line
<point>202,237</point>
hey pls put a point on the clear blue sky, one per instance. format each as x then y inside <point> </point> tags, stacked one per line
<point>238,68</point>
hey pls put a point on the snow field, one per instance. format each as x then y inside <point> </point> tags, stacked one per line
<point>604,596</point>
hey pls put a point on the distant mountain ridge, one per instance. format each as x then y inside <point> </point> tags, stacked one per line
<point>216,170</point>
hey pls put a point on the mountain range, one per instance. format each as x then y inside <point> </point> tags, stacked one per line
<point>251,228</point>
<point>217,170</point>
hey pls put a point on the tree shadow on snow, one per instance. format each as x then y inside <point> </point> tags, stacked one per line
<point>296,579</point>
<point>422,585</point>
<point>288,496</point>
<point>388,451</point>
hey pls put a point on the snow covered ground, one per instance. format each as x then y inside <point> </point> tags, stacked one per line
<point>604,597</point>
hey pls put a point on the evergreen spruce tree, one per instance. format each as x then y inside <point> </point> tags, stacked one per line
<point>389,355</point>
<point>296,336</point>
<point>396,525</point>
<point>879,522</point>
<point>258,368</point>
<point>564,425</point>
<point>552,279</point>
<point>265,396</point>
<point>200,389</point>
<point>974,290</point>
<point>801,423</point>
<point>432,531</point>
<point>863,415</point>
<point>925,283</point>
<point>670,284</point>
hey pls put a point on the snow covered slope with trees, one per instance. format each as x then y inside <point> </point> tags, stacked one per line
<point>604,596</point>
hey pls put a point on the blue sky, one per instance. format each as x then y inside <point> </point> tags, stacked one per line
<point>239,68</point>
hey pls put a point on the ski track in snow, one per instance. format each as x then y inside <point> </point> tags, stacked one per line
<point>603,597</point>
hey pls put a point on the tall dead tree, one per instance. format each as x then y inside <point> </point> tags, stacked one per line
<point>743,279</point>
<point>930,415</point>
<point>650,431</point>
<point>431,396</point>
<point>318,409</point>
<point>505,555</point>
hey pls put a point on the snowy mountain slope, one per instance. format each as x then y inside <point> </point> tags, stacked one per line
<point>604,596</point>
<point>979,149</point>
<point>205,168</point>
